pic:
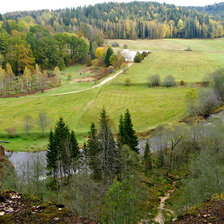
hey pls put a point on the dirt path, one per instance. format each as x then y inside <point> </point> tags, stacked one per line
<point>93,87</point>
<point>159,218</point>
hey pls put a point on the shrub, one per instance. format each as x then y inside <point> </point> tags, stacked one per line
<point>182,83</point>
<point>106,71</point>
<point>125,68</point>
<point>127,81</point>
<point>188,49</point>
<point>218,83</point>
<point>207,102</point>
<point>117,206</point>
<point>11,132</point>
<point>192,102</point>
<point>69,76</point>
<point>138,58</point>
<point>111,69</point>
<point>115,44</point>
<point>169,81</point>
<point>144,54</point>
<point>125,46</point>
<point>154,80</point>
<point>89,60</point>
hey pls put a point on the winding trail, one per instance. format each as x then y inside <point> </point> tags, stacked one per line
<point>159,218</point>
<point>93,87</point>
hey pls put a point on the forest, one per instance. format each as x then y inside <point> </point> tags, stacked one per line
<point>127,21</point>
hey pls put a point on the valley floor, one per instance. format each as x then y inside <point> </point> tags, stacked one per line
<point>149,107</point>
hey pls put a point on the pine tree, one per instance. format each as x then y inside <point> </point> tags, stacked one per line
<point>129,137</point>
<point>147,159</point>
<point>108,55</point>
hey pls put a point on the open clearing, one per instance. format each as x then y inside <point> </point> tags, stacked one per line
<point>149,107</point>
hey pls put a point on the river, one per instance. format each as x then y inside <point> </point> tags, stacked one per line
<point>20,159</point>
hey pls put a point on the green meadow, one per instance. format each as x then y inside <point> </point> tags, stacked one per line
<point>149,107</point>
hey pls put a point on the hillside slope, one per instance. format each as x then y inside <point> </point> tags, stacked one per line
<point>209,212</point>
<point>216,10</point>
<point>17,208</point>
<point>126,21</point>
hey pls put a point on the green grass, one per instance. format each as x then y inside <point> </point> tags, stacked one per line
<point>149,107</point>
<point>173,44</point>
<point>183,65</point>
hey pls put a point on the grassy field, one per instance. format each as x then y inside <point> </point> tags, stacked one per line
<point>173,44</point>
<point>149,107</point>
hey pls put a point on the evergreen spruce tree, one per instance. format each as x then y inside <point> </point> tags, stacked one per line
<point>109,152</point>
<point>108,55</point>
<point>147,159</point>
<point>63,151</point>
<point>84,156</point>
<point>91,51</point>
<point>93,153</point>
<point>121,131</point>
<point>74,151</point>
<point>129,137</point>
<point>52,157</point>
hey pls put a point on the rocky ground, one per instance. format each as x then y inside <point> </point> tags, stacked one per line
<point>211,212</point>
<point>17,208</point>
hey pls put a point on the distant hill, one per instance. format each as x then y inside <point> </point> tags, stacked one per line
<point>217,10</point>
<point>130,20</point>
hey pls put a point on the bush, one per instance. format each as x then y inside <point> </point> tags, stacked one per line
<point>127,81</point>
<point>115,44</point>
<point>218,84</point>
<point>125,46</point>
<point>106,71</point>
<point>182,83</point>
<point>188,49</point>
<point>154,80</point>
<point>144,54</point>
<point>138,58</point>
<point>111,69</point>
<point>69,76</point>
<point>11,132</point>
<point>125,68</point>
<point>89,60</point>
<point>207,102</point>
<point>124,202</point>
<point>169,81</point>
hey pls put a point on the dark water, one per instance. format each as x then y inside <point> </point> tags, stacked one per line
<point>21,159</point>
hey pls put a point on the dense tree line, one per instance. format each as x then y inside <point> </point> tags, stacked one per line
<point>125,20</point>
<point>24,45</point>
<point>28,82</point>
<point>216,10</point>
